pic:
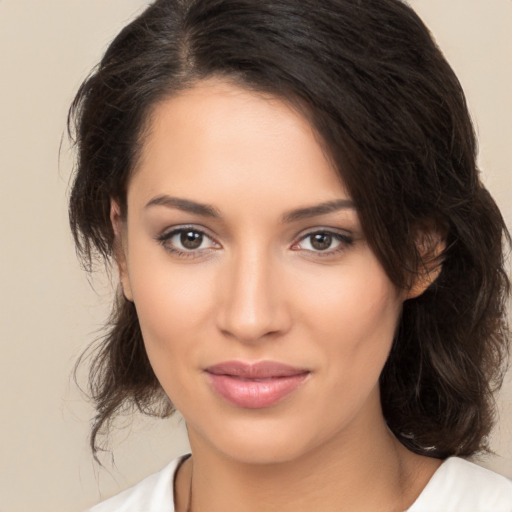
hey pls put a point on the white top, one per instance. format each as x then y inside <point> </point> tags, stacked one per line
<point>457,486</point>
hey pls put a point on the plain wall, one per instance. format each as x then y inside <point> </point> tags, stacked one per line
<point>49,312</point>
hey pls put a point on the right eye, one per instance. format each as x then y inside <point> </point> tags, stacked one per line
<point>186,241</point>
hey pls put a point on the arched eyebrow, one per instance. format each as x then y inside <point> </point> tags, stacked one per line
<point>185,205</point>
<point>206,210</point>
<point>317,210</point>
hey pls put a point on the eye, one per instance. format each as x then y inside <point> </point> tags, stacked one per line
<point>186,241</point>
<point>323,241</point>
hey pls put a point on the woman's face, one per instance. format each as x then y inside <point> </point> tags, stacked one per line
<point>266,316</point>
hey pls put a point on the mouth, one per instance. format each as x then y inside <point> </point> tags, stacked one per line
<point>256,385</point>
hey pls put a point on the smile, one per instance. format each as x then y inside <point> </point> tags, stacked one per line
<point>254,386</point>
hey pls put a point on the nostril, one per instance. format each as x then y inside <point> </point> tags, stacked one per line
<point>248,324</point>
<point>250,306</point>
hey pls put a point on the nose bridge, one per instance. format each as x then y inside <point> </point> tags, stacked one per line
<point>252,306</point>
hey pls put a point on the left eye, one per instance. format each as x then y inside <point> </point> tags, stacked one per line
<point>323,241</point>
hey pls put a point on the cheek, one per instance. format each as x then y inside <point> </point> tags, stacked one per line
<point>355,302</point>
<point>354,325</point>
<point>353,315</point>
<point>174,314</point>
<point>173,304</point>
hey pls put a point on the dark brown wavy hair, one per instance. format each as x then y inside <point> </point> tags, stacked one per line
<point>393,118</point>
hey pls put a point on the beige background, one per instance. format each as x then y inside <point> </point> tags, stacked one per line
<point>48,310</point>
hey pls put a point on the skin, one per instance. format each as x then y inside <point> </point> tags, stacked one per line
<point>258,288</point>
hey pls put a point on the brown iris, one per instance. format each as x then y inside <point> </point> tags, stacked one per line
<point>321,241</point>
<point>191,239</point>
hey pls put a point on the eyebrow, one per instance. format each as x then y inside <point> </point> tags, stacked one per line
<point>207,210</point>
<point>185,205</point>
<point>317,210</point>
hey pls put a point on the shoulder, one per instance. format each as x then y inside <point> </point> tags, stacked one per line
<point>459,485</point>
<point>153,494</point>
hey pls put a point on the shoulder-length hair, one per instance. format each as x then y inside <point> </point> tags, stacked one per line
<point>393,118</point>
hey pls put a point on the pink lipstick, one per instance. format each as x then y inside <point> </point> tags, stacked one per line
<point>257,385</point>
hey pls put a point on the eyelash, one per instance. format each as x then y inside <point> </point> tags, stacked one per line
<point>344,240</point>
<point>191,253</point>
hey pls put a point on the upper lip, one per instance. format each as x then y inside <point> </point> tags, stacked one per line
<point>258,370</point>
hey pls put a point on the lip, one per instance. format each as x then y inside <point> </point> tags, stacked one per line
<point>255,385</point>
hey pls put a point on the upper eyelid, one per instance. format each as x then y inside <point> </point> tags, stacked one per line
<point>164,240</point>
<point>344,237</point>
<point>334,231</point>
<point>165,237</point>
<point>166,233</point>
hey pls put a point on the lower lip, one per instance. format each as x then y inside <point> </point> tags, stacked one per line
<point>255,393</point>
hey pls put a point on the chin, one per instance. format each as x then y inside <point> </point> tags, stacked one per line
<point>263,442</point>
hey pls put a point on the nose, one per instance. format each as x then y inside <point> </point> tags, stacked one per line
<point>252,303</point>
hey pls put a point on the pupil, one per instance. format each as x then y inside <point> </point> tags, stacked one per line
<point>191,239</point>
<point>321,241</point>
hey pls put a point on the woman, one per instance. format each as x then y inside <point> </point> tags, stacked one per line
<point>310,270</point>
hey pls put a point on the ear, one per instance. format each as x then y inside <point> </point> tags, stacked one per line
<point>118,225</point>
<point>430,243</point>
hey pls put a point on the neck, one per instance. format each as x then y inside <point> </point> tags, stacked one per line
<point>346,473</point>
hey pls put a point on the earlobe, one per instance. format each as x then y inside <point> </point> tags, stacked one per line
<point>431,245</point>
<point>119,249</point>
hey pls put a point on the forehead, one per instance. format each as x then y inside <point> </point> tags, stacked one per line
<point>219,137</point>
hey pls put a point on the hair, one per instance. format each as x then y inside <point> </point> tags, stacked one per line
<point>393,118</point>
